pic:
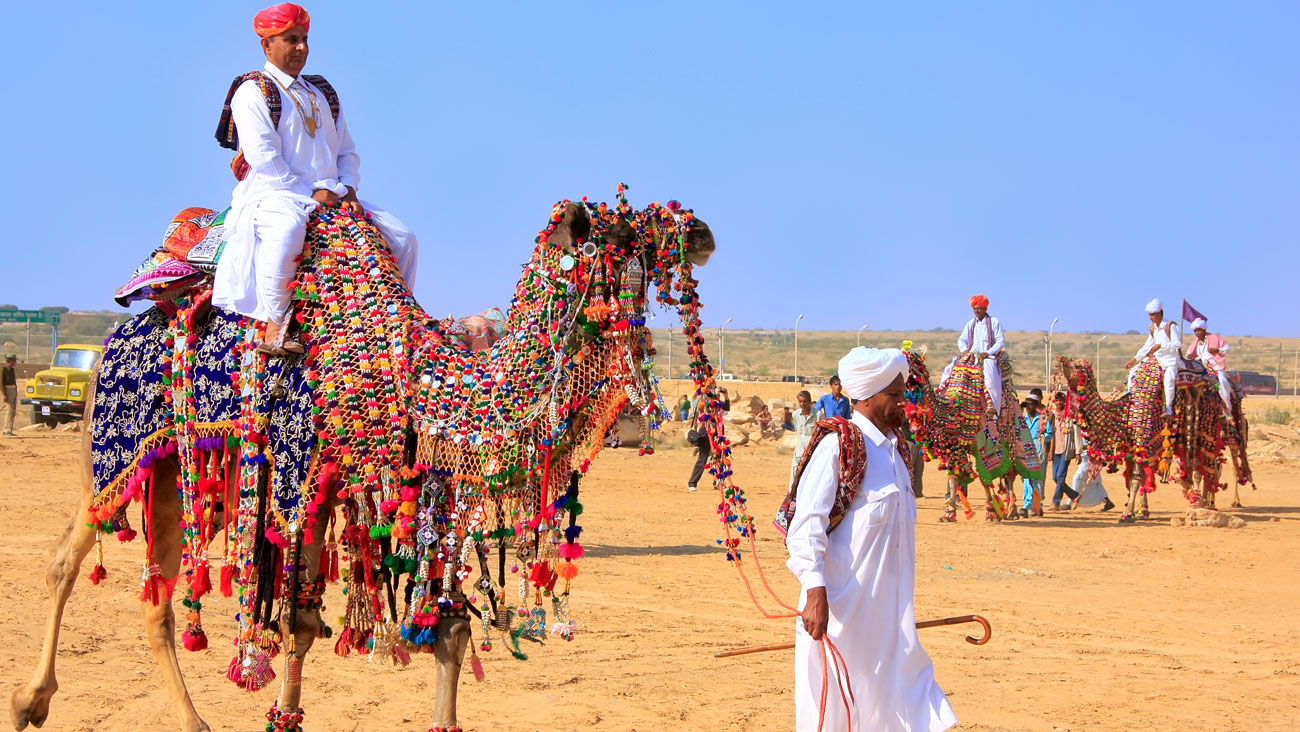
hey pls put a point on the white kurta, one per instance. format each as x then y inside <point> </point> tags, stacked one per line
<point>868,567</point>
<point>803,430</point>
<point>270,207</point>
<point>983,337</point>
<point>1168,336</point>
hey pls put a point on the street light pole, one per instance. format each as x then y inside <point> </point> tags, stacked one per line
<point>722,345</point>
<point>670,352</point>
<point>864,327</point>
<point>1047,371</point>
<point>1096,365</point>
<point>796,347</point>
<point>1295,373</point>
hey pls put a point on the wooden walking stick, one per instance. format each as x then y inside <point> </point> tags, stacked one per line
<point>957,620</point>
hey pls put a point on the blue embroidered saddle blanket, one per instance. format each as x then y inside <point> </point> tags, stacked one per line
<point>133,423</point>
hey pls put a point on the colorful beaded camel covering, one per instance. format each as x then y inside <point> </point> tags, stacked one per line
<point>458,468</point>
<point>1130,430</point>
<point>955,425</point>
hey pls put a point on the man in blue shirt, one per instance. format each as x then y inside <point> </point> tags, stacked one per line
<point>835,404</point>
<point>1040,431</point>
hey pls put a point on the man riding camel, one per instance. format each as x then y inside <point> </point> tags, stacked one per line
<point>982,337</point>
<point>295,153</point>
<point>1210,349</point>
<point>1164,343</point>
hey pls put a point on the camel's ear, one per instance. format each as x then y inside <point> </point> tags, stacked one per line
<point>575,225</point>
<point>699,243</point>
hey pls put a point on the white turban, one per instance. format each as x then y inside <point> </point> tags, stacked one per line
<point>865,372</point>
<point>1198,323</point>
<point>1155,306</point>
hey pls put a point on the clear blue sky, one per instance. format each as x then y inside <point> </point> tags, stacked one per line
<point>859,162</point>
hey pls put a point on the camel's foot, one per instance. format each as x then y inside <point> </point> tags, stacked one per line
<point>1144,514</point>
<point>1127,518</point>
<point>446,729</point>
<point>990,515</point>
<point>1236,504</point>
<point>948,517</point>
<point>30,705</point>
<point>278,720</point>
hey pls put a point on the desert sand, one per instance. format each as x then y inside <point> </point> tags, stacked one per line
<point>1096,626</point>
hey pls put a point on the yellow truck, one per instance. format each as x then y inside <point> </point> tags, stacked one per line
<point>58,394</point>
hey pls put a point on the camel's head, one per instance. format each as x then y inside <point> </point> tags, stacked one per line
<point>1075,373</point>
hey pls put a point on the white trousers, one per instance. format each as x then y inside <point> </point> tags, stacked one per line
<point>1225,388</point>
<point>1170,380</point>
<point>992,380</point>
<point>264,241</point>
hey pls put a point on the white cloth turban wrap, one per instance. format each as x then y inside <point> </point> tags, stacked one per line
<point>1155,306</point>
<point>865,372</point>
<point>1198,323</point>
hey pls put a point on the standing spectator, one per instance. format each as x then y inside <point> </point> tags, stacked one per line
<point>1065,441</point>
<point>804,419</point>
<point>9,380</point>
<point>684,408</point>
<point>835,404</point>
<point>726,400</point>
<point>1040,431</point>
<point>702,447</point>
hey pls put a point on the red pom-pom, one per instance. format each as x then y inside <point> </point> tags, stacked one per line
<point>201,584</point>
<point>97,574</point>
<point>195,639</point>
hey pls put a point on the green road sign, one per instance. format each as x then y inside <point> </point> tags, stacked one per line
<point>29,316</point>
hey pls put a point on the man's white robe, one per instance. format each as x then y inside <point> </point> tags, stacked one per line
<point>1167,339</point>
<point>270,207</point>
<point>983,337</point>
<point>868,567</point>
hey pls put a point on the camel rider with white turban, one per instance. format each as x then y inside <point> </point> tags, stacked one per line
<point>295,153</point>
<point>858,581</point>
<point>1164,343</point>
<point>982,337</point>
<point>1210,348</point>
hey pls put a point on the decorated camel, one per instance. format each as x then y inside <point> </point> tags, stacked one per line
<point>955,425</point>
<point>1130,430</point>
<point>398,445</point>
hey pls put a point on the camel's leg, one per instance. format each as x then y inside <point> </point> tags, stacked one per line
<point>449,650</point>
<point>1134,488</point>
<point>308,623</point>
<point>160,619</point>
<point>31,703</point>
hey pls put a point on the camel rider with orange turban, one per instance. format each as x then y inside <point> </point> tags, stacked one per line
<point>982,337</point>
<point>1164,343</point>
<point>295,153</point>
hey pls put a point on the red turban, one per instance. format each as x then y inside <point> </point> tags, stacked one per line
<point>979,301</point>
<point>279,18</point>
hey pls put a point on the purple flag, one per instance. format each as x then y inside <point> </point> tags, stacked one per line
<point>1190,313</point>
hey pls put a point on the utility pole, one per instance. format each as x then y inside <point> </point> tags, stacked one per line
<point>796,347</point>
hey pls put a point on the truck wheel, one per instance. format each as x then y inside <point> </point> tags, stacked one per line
<point>38,418</point>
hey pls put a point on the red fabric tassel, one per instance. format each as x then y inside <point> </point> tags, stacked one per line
<point>227,580</point>
<point>97,574</point>
<point>331,563</point>
<point>235,671</point>
<point>343,646</point>
<point>195,639</point>
<point>202,582</point>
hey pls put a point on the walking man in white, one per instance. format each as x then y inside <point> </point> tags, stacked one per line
<point>858,581</point>
<point>295,153</point>
<point>1164,343</point>
<point>982,336</point>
